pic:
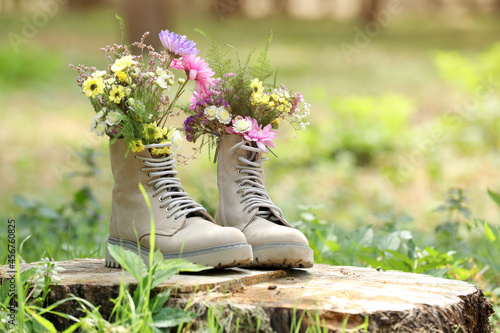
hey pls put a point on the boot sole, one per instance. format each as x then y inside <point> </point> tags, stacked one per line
<point>282,255</point>
<point>230,255</point>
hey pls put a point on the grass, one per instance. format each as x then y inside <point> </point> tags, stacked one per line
<point>47,123</point>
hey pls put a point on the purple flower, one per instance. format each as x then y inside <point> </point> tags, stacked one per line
<point>190,121</point>
<point>177,45</point>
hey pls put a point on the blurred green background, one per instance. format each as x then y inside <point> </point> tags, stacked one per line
<point>379,88</point>
<point>405,105</point>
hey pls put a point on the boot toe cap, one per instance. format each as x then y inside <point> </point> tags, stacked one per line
<point>261,232</point>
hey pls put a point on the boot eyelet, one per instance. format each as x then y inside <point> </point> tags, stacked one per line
<point>176,218</point>
<point>239,172</point>
<point>149,174</point>
<point>249,211</point>
<point>168,209</point>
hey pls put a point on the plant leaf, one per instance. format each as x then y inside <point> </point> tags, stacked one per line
<point>129,260</point>
<point>495,196</point>
<point>489,233</point>
<point>171,317</point>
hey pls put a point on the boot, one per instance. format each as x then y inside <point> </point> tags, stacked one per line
<point>245,204</point>
<point>183,227</point>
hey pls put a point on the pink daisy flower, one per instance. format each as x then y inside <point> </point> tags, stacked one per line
<point>197,70</point>
<point>262,136</point>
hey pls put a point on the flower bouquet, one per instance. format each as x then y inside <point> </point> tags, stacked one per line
<point>240,102</point>
<point>240,112</point>
<point>132,105</point>
<point>130,97</point>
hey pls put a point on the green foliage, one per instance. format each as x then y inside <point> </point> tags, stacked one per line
<point>388,248</point>
<point>476,121</point>
<point>140,311</point>
<point>370,125</point>
<point>27,68</point>
<point>218,59</point>
<point>55,229</point>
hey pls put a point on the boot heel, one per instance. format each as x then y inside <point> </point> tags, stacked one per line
<point>109,260</point>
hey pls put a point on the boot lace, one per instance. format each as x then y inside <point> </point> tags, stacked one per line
<point>252,190</point>
<point>172,195</point>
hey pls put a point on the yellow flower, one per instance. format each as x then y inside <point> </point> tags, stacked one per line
<point>275,123</point>
<point>136,146</point>
<point>123,63</point>
<point>121,75</point>
<point>152,132</point>
<point>93,86</point>
<point>256,85</point>
<point>116,94</point>
<point>162,150</point>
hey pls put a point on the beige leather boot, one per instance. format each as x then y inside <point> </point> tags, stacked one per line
<point>245,204</point>
<point>183,227</point>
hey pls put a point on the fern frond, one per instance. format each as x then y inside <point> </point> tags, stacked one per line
<point>218,59</point>
<point>263,68</point>
<point>121,22</point>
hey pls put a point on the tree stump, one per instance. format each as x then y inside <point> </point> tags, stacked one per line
<point>390,301</point>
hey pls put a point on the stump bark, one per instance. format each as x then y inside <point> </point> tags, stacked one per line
<point>390,301</point>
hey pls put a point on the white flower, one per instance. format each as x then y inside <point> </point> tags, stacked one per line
<point>94,123</point>
<point>176,140</point>
<point>128,91</point>
<point>241,125</point>
<point>99,73</point>
<point>210,112</point>
<point>113,118</point>
<point>110,81</point>
<point>160,72</point>
<point>100,115</point>
<point>101,128</point>
<point>162,81</point>
<point>223,115</point>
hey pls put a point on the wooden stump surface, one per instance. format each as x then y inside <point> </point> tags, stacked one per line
<point>393,301</point>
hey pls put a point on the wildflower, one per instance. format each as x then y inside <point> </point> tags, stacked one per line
<point>136,146</point>
<point>161,150</point>
<point>256,85</point>
<point>223,115</point>
<point>262,136</point>
<point>177,45</point>
<point>197,70</point>
<point>99,73</point>
<point>121,76</point>
<point>275,123</point>
<point>210,112</point>
<point>116,94</point>
<point>93,124</point>
<point>152,132</point>
<point>241,125</point>
<point>113,118</point>
<point>189,123</point>
<point>176,140</point>
<point>93,86</point>
<point>101,128</point>
<point>163,81</point>
<point>123,63</point>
